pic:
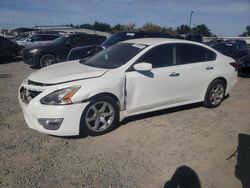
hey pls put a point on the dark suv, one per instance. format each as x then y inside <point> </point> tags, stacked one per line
<point>236,49</point>
<point>57,51</point>
<point>87,51</point>
<point>8,48</point>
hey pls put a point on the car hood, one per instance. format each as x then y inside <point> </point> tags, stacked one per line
<point>66,72</point>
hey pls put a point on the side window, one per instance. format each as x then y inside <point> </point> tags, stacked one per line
<point>52,37</point>
<point>35,38</point>
<point>190,53</point>
<point>44,37</point>
<point>75,40</point>
<point>88,39</point>
<point>160,56</point>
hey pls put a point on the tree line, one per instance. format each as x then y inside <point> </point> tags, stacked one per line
<point>201,29</point>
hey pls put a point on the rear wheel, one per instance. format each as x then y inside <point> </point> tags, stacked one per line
<point>215,94</point>
<point>13,55</point>
<point>47,59</point>
<point>100,116</point>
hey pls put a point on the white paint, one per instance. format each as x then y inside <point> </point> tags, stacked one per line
<point>146,91</point>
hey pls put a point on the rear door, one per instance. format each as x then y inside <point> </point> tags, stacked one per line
<point>196,66</point>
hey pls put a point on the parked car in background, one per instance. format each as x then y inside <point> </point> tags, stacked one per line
<point>84,52</point>
<point>57,51</point>
<point>235,50</point>
<point>33,40</point>
<point>128,78</point>
<point>193,37</point>
<point>8,48</point>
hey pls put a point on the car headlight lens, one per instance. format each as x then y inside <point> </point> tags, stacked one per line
<point>62,96</point>
<point>33,51</point>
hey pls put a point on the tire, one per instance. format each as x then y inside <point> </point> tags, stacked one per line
<point>13,55</point>
<point>215,94</point>
<point>47,59</point>
<point>99,117</point>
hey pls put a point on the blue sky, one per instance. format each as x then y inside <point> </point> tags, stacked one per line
<point>223,17</point>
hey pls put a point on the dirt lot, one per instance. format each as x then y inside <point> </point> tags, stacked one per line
<point>144,151</point>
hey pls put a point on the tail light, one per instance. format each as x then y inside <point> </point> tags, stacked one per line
<point>235,65</point>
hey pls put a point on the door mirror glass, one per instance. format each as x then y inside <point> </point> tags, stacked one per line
<point>143,66</point>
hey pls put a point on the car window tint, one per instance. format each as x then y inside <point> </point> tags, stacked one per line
<point>160,56</point>
<point>35,38</point>
<point>190,53</point>
<point>88,39</point>
<point>75,40</point>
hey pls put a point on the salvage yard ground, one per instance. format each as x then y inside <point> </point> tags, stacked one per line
<point>144,151</point>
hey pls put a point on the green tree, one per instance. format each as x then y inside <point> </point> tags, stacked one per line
<point>150,27</point>
<point>202,30</point>
<point>129,27</point>
<point>102,26</point>
<point>117,27</point>
<point>183,29</point>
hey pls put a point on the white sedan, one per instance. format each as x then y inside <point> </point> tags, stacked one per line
<point>129,78</point>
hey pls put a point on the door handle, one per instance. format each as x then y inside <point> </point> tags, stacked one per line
<point>174,74</point>
<point>210,68</point>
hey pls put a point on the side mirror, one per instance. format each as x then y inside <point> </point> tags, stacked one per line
<point>143,66</point>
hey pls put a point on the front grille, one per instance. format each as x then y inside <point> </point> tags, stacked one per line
<point>27,95</point>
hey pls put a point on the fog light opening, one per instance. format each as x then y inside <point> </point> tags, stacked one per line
<point>50,123</point>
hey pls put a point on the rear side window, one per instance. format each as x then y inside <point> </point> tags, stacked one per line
<point>48,37</point>
<point>91,39</point>
<point>190,53</point>
<point>160,56</point>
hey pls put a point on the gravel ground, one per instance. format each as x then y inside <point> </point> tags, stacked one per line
<point>144,151</point>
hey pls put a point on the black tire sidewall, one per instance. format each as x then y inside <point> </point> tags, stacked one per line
<point>207,102</point>
<point>13,55</point>
<point>84,130</point>
<point>40,64</point>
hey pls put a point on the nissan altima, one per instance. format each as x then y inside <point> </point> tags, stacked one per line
<point>129,78</point>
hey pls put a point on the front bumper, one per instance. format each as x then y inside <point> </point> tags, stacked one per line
<point>71,115</point>
<point>29,58</point>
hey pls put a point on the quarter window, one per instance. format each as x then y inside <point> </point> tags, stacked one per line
<point>160,56</point>
<point>190,53</point>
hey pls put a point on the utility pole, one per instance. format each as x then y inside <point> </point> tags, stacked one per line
<point>190,20</point>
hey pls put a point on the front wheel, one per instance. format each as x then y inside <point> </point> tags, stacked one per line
<point>100,116</point>
<point>47,59</point>
<point>13,55</point>
<point>215,94</point>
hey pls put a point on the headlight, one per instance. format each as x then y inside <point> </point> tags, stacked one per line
<point>62,96</point>
<point>33,51</point>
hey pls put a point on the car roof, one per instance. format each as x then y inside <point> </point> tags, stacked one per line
<point>154,41</point>
<point>224,43</point>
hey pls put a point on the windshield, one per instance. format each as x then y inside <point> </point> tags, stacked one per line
<point>117,37</point>
<point>114,56</point>
<point>60,39</point>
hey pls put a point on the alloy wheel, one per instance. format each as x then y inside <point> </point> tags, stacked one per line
<point>217,94</point>
<point>100,116</point>
<point>47,60</point>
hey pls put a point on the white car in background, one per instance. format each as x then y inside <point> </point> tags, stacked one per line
<point>129,78</point>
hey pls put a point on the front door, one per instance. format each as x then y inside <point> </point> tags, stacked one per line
<point>155,88</point>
